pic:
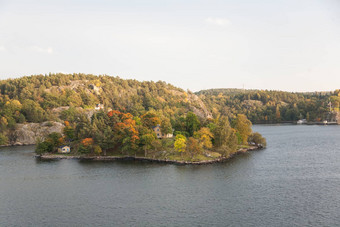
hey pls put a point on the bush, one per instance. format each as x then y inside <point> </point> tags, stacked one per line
<point>257,139</point>
<point>44,147</point>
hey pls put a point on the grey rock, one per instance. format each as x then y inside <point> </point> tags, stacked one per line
<point>28,134</point>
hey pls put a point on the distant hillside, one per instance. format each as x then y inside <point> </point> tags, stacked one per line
<point>81,90</point>
<point>263,106</point>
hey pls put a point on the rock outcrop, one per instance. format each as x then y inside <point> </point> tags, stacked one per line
<point>27,134</point>
<point>198,107</point>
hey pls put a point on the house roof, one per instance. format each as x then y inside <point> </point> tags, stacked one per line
<point>155,126</point>
<point>64,146</point>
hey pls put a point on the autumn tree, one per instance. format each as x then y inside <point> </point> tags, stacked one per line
<point>257,139</point>
<point>166,126</point>
<point>150,119</point>
<point>243,126</point>
<point>125,129</point>
<point>86,145</point>
<point>225,137</point>
<point>97,149</point>
<point>193,147</point>
<point>180,143</point>
<point>87,142</point>
<point>278,114</point>
<point>3,139</point>
<point>204,135</point>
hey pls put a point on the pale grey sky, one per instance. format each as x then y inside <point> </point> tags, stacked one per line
<point>291,45</point>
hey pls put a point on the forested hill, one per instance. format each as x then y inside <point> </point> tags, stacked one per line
<point>263,106</point>
<point>36,98</point>
<point>44,93</point>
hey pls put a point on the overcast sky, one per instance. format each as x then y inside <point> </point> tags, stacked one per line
<point>291,45</point>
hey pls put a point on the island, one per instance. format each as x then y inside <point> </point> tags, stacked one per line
<point>103,117</point>
<point>113,135</point>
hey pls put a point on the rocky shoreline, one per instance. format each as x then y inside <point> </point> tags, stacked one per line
<point>132,158</point>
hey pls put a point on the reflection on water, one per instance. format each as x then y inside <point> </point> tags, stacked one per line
<point>294,182</point>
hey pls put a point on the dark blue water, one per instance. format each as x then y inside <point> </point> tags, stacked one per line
<point>294,182</point>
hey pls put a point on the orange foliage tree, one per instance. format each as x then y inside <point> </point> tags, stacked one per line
<point>87,142</point>
<point>125,129</point>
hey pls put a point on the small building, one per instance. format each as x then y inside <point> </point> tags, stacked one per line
<point>300,122</point>
<point>169,135</point>
<point>159,134</point>
<point>64,149</point>
<point>99,106</point>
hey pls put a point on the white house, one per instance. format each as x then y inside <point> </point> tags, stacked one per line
<point>64,149</point>
<point>300,122</point>
<point>99,106</point>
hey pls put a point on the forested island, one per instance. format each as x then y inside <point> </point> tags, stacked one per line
<point>82,115</point>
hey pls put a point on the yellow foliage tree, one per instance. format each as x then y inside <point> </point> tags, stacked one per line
<point>180,143</point>
<point>204,135</point>
<point>243,126</point>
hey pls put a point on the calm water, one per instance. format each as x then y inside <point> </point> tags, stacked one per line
<point>294,182</point>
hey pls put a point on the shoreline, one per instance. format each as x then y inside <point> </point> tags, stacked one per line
<point>46,157</point>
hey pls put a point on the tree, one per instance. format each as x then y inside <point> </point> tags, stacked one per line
<point>70,114</point>
<point>44,147</point>
<point>166,126</point>
<point>97,149</point>
<point>193,147</point>
<point>106,138</point>
<point>278,114</point>
<point>87,142</point>
<point>192,123</point>
<point>147,140</point>
<point>225,137</point>
<point>257,139</point>
<point>156,144</point>
<point>222,131</point>
<point>13,105</point>
<point>32,111</point>
<point>243,126</point>
<point>69,133</point>
<point>180,143</point>
<point>55,139</point>
<point>83,127</point>
<point>150,119</point>
<point>3,139</point>
<point>3,123</point>
<point>205,136</point>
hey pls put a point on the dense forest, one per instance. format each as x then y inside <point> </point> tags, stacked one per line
<point>263,106</point>
<point>128,111</point>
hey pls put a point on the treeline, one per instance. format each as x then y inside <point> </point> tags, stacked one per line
<point>263,106</point>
